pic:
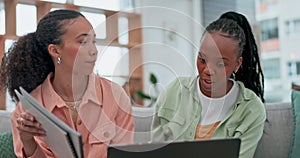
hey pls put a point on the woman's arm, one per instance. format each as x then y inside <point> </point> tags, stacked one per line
<point>24,129</point>
<point>124,121</point>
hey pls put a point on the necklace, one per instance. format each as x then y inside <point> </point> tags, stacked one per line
<point>73,105</point>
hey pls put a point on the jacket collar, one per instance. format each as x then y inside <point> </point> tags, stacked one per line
<point>51,99</point>
<point>190,86</point>
<point>242,95</point>
<point>94,91</point>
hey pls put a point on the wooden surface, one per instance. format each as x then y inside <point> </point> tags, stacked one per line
<point>43,7</point>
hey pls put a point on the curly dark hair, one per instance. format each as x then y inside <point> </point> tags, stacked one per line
<point>28,62</point>
<point>236,26</point>
<point>250,73</point>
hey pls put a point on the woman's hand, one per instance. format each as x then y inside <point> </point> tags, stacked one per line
<point>28,127</point>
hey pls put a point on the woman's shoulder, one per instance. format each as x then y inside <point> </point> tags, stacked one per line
<point>41,88</point>
<point>247,93</point>
<point>250,101</point>
<point>105,82</point>
<point>182,81</point>
<point>177,86</point>
<point>37,92</point>
<point>107,85</point>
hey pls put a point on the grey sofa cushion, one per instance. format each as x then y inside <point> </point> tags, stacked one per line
<point>5,125</point>
<point>142,119</point>
<point>278,132</point>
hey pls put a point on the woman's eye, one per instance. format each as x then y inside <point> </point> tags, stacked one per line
<point>220,64</point>
<point>83,42</point>
<point>201,59</point>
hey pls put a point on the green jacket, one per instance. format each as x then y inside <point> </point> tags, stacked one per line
<point>178,112</point>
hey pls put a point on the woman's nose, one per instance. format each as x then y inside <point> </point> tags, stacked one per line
<point>93,50</point>
<point>209,70</point>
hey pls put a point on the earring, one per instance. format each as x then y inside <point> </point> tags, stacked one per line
<point>58,60</point>
<point>233,75</point>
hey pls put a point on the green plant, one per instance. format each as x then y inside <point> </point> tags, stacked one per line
<point>143,95</point>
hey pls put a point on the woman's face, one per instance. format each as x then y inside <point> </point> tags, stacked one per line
<point>217,60</point>
<point>78,51</point>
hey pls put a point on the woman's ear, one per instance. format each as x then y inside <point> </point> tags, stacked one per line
<point>53,50</point>
<point>238,64</point>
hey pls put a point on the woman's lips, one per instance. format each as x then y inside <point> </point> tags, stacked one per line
<point>208,81</point>
<point>91,62</point>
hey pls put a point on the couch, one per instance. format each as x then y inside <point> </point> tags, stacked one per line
<point>275,142</point>
<point>6,145</point>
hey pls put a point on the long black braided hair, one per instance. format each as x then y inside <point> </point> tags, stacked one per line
<point>250,72</point>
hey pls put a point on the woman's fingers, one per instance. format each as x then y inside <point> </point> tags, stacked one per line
<point>28,126</point>
<point>29,130</point>
<point>27,116</point>
<point>20,121</point>
<point>26,122</point>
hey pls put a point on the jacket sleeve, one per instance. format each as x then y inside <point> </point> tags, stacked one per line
<point>165,113</point>
<point>124,121</point>
<point>159,129</point>
<point>252,135</point>
<point>156,128</point>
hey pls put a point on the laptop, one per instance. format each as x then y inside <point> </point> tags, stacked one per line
<point>212,148</point>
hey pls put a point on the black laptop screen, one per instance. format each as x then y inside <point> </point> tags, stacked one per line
<point>214,148</point>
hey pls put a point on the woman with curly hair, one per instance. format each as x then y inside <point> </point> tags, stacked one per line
<point>55,64</point>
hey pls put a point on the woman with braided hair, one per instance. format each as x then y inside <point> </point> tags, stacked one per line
<point>217,103</point>
<point>55,64</point>
<point>250,71</point>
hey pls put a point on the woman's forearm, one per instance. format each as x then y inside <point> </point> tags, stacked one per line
<point>29,147</point>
